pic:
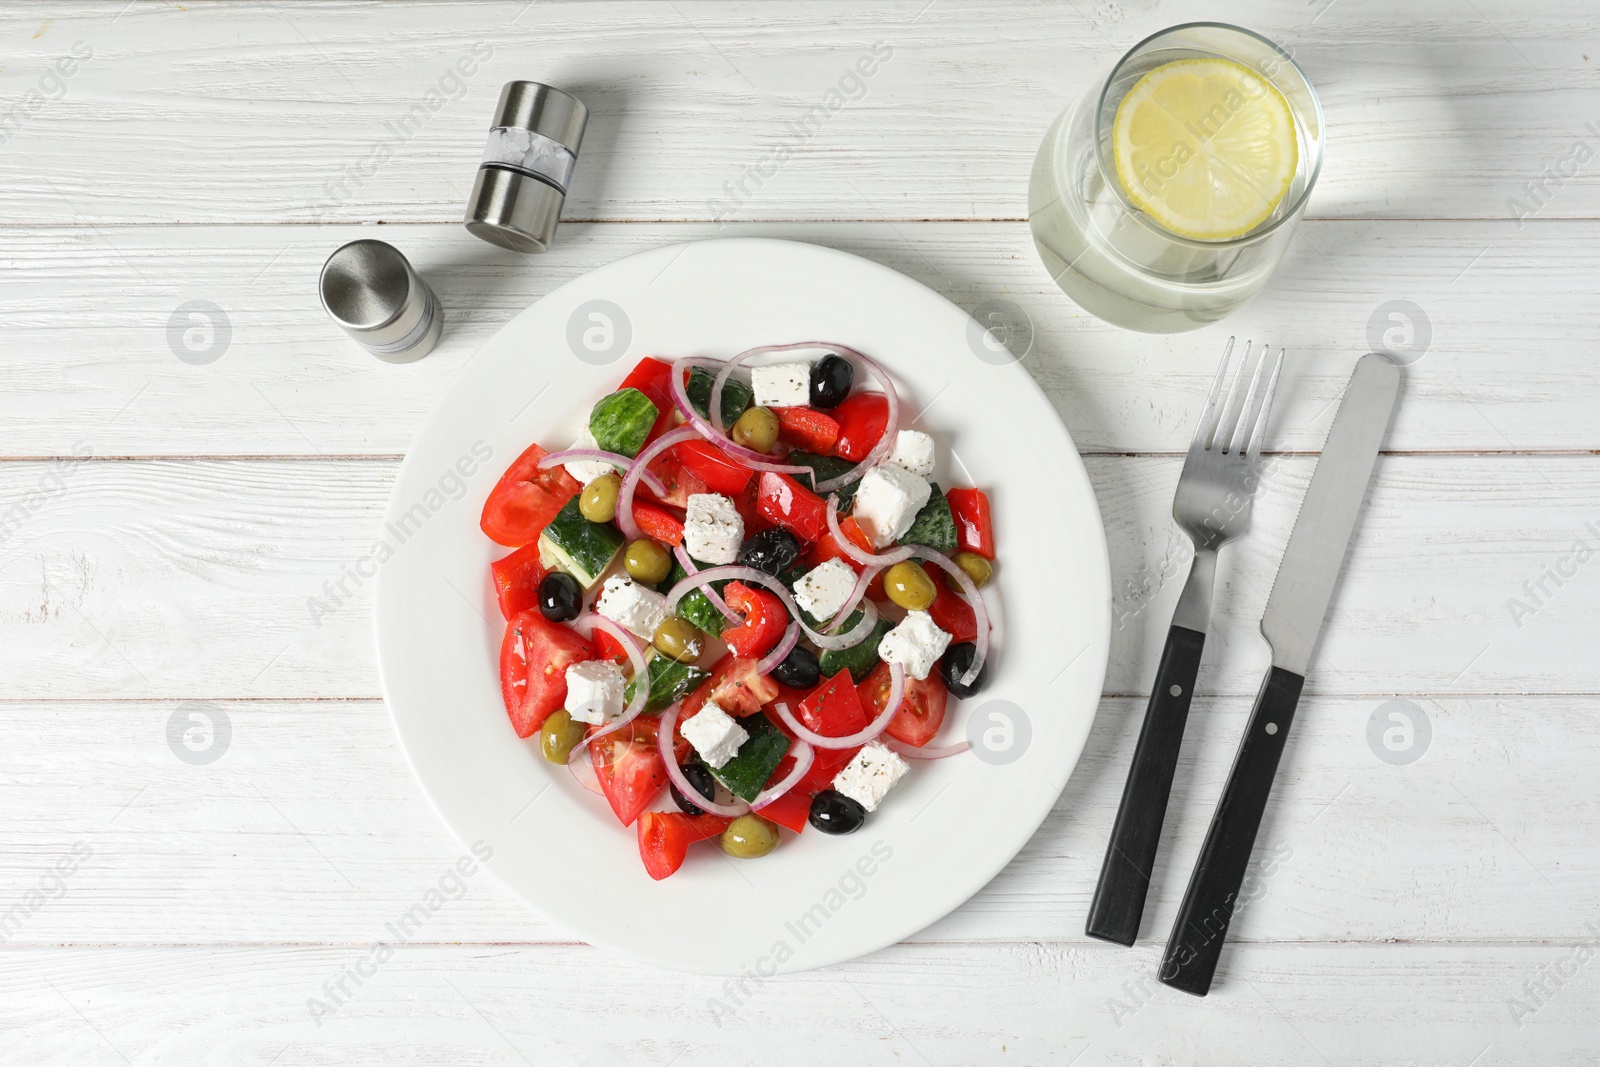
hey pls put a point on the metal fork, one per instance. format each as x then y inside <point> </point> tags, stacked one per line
<point>1212,506</point>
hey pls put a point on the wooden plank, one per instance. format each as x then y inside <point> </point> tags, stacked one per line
<point>94,333</point>
<point>322,112</point>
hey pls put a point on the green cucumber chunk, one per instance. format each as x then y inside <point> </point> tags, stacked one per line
<point>736,395</point>
<point>934,525</point>
<point>823,468</point>
<point>747,772</point>
<point>669,680</point>
<point>582,548</point>
<point>695,605</point>
<point>858,659</point>
<point>621,422</point>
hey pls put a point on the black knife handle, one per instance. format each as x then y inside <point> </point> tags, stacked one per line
<point>1119,897</point>
<point>1208,905</point>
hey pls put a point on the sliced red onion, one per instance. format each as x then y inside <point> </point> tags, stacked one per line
<point>669,723</point>
<point>791,637</point>
<point>803,756</point>
<point>630,480</point>
<point>711,594</point>
<point>616,459</point>
<point>848,547</point>
<point>979,611</point>
<point>857,591</point>
<point>748,456</point>
<point>930,752</point>
<point>750,574</point>
<point>897,692</point>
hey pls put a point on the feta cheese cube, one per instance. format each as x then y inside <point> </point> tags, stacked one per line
<point>782,385</point>
<point>913,451</point>
<point>822,591</point>
<point>712,528</point>
<point>915,644</point>
<point>888,501</point>
<point>870,775</point>
<point>713,734</point>
<point>587,470</point>
<point>634,607</point>
<point>594,691</point>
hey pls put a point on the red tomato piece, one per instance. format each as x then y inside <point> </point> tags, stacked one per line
<point>787,503</point>
<point>629,767</point>
<point>765,620</point>
<point>525,499</point>
<point>834,708</point>
<point>921,711</point>
<point>534,657</point>
<point>680,482</point>
<point>608,647</point>
<point>950,610</point>
<point>748,505</point>
<point>827,548</point>
<point>737,687</point>
<point>974,526</point>
<point>665,837</point>
<point>516,580</point>
<point>658,523</point>
<point>862,418</point>
<point>808,429</point>
<point>653,378</point>
<point>720,472</point>
<point>825,766</point>
<point>793,808</point>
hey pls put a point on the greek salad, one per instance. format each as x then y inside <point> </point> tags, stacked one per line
<point>741,586</point>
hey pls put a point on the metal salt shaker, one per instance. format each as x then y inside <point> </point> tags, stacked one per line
<point>527,165</point>
<point>372,292</point>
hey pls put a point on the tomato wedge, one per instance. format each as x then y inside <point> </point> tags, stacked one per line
<point>791,505</point>
<point>653,378</point>
<point>950,610</point>
<point>658,523</point>
<point>765,620</point>
<point>665,837</point>
<point>974,525</point>
<point>525,499</point>
<point>720,472</point>
<point>516,580</point>
<point>862,418</point>
<point>834,708</point>
<point>826,764</point>
<point>534,657</point>
<point>679,482</point>
<point>921,711</point>
<point>629,767</point>
<point>737,687</point>
<point>808,429</point>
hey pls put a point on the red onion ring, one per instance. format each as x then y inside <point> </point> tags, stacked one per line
<point>748,456</point>
<point>913,752</point>
<point>857,591</point>
<point>636,470</point>
<point>848,547</point>
<point>714,405</point>
<point>712,595</point>
<point>979,611</point>
<point>897,692</point>
<point>750,574</point>
<point>803,756</point>
<point>616,459</point>
<point>669,722</point>
<point>785,645</point>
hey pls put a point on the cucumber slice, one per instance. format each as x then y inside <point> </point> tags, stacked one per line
<point>582,548</point>
<point>825,467</point>
<point>757,758</point>
<point>696,606</point>
<point>858,660</point>
<point>621,422</point>
<point>934,525</point>
<point>669,680</point>
<point>736,395</point>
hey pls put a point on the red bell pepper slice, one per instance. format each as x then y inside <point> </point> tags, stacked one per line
<point>862,418</point>
<point>720,472</point>
<point>516,580</point>
<point>791,505</point>
<point>653,378</point>
<point>657,523</point>
<point>793,809</point>
<point>834,708</point>
<point>950,611</point>
<point>765,620</point>
<point>808,429</point>
<point>974,527</point>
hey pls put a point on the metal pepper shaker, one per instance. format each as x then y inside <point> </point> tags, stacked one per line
<point>371,291</point>
<point>527,165</point>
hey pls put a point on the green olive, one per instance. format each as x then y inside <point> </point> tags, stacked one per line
<point>647,561</point>
<point>678,639</point>
<point>749,836</point>
<point>978,569</point>
<point>599,500</point>
<point>757,428</point>
<point>559,736</point>
<point>909,586</point>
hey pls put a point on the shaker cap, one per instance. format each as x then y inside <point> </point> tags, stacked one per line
<point>372,292</point>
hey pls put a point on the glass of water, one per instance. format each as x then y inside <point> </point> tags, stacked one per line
<point>1166,196</point>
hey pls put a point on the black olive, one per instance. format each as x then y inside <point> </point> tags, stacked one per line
<point>957,659</point>
<point>700,778</point>
<point>560,596</point>
<point>799,669</point>
<point>773,550</point>
<point>830,381</point>
<point>835,813</point>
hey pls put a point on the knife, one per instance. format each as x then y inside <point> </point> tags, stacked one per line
<point>1299,600</point>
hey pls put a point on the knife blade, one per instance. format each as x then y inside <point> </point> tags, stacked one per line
<point>1293,617</point>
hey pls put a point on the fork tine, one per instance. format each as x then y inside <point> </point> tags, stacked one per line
<point>1260,431</point>
<point>1246,421</point>
<point>1229,415</point>
<point>1208,415</point>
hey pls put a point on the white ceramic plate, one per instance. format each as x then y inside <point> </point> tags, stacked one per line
<point>951,824</point>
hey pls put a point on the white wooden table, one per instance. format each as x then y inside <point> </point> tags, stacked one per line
<point>165,523</point>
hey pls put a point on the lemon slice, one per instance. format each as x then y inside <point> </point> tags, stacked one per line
<point>1206,147</point>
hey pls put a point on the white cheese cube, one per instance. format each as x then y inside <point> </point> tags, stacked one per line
<point>594,691</point>
<point>916,644</point>
<point>822,591</point>
<point>713,734</point>
<point>635,608</point>
<point>888,501</point>
<point>913,451</point>
<point>870,775</point>
<point>782,385</point>
<point>712,528</point>
<point>587,470</point>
